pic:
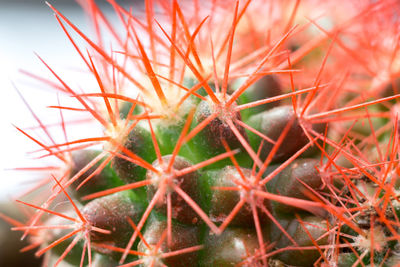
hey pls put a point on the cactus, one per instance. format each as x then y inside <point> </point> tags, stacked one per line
<point>235,133</point>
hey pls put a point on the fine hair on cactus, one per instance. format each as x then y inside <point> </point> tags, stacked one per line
<point>233,133</point>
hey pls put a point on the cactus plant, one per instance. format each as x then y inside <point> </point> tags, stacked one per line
<point>235,133</point>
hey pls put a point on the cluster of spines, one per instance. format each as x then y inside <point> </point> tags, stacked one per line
<point>221,164</point>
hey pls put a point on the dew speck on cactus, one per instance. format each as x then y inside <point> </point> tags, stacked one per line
<point>234,133</point>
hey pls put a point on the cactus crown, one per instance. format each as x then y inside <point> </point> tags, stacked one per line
<point>230,138</point>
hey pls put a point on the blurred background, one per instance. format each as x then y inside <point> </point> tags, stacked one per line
<point>28,27</point>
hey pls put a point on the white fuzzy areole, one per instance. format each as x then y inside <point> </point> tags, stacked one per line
<point>379,240</point>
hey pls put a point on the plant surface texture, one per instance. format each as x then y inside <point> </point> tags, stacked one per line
<point>231,133</point>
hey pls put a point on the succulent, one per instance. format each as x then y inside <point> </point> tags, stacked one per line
<point>235,133</point>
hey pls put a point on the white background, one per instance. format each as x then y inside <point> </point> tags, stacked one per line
<point>27,27</point>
